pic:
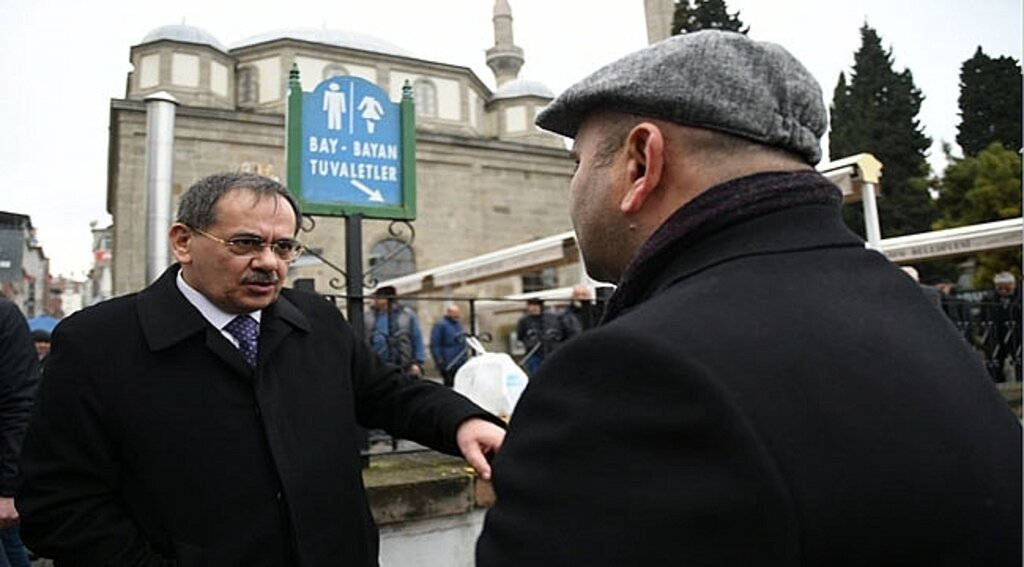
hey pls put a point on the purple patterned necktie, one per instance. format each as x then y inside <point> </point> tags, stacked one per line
<point>246,330</point>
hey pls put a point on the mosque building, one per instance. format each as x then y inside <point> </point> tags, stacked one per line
<point>487,178</point>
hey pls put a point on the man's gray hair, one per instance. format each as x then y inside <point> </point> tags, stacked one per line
<point>196,207</point>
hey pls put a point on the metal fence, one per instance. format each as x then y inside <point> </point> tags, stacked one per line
<point>490,320</point>
<point>991,327</point>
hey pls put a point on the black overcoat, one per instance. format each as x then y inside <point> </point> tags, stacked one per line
<point>154,439</point>
<point>779,395</point>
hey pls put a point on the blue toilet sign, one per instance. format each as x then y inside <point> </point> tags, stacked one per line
<point>349,155</point>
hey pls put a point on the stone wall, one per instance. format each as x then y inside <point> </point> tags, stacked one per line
<point>429,508</point>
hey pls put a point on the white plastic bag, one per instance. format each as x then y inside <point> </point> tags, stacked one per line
<point>492,380</point>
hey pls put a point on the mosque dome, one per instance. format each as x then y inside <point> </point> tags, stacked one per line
<point>338,38</point>
<point>523,87</point>
<point>185,34</point>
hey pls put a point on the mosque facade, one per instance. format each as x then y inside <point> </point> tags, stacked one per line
<point>487,178</point>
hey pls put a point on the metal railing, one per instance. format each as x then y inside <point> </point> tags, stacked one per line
<point>992,328</point>
<point>491,320</point>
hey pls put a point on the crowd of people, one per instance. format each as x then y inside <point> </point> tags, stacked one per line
<point>393,330</point>
<point>760,387</point>
<point>990,322</point>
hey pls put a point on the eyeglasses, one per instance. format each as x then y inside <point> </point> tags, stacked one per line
<point>286,249</point>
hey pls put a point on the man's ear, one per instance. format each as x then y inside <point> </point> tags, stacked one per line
<point>645,161</point>
<point>180,236</point>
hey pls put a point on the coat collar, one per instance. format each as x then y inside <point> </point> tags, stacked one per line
<point>167,318</point>
<point>759,214</point>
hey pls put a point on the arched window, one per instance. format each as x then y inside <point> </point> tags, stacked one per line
<point>391,258</point>
<point>424,94</point>
<point>248,82</point>
<point>334,70</point>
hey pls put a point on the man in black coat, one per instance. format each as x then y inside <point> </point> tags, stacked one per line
<point>211,418</point>
<point>1003,340</point>
<point>763,389</point>
<point>540,331</point>
<point>582,313</point>
<point>19,379</point>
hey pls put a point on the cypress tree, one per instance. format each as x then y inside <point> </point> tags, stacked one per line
<point>990,103</point>
<point>875,111</point>
<point>705,15</point>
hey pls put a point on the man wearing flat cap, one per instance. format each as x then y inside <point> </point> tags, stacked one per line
<point>762,389</point>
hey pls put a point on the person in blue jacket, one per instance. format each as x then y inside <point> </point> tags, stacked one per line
<point>393,331</point>
<point>448,344</point>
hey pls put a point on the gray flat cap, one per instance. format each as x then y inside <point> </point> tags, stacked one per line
<point>707,79</point>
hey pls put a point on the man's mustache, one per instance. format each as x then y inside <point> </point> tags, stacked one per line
<point>261,278</point>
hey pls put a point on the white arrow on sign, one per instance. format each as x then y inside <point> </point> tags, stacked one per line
<point>373,194</point>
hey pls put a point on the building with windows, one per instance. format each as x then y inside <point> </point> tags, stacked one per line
<point>487,178</point>
<point>24,267</point>
<point>100,283</point>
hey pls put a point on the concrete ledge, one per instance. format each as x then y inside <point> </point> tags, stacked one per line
<point>416,486</point>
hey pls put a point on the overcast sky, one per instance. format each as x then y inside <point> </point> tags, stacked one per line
<point>63,60</point>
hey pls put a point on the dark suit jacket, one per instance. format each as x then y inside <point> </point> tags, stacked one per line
<point>154,439</point>
<point>782,396</point>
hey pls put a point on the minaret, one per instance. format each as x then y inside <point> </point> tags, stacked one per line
<point>505,58</point>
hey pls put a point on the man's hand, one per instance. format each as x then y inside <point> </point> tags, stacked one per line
<point>477,439</point>
<point>8,513</point>
<point>415,369</point>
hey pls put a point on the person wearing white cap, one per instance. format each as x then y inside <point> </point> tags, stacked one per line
<point>1005,283</point>
<point>762,388</point>
<point>1004,312</point>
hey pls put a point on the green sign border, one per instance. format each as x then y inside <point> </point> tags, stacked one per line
<point>293,144</point>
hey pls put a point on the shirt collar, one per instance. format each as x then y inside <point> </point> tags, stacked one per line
<point>215,315</point>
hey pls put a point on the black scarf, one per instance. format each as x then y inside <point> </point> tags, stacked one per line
<point>721,206</point>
